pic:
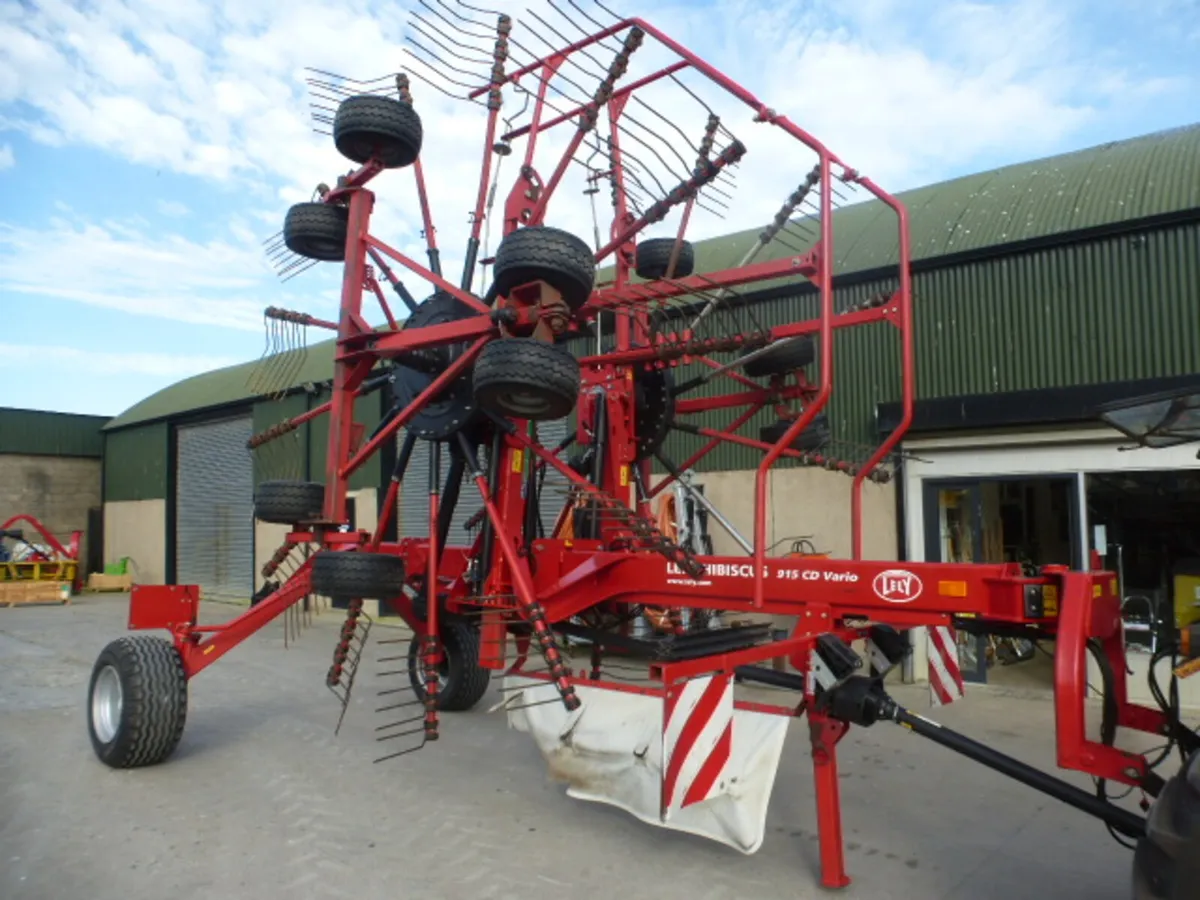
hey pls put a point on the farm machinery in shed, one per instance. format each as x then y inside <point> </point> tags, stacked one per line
<point>475,369</point>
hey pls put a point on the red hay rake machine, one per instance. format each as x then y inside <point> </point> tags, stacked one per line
<point>476,367</point>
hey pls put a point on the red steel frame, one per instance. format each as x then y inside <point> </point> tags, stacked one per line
<point>69,553</point>
<point>571,576</point>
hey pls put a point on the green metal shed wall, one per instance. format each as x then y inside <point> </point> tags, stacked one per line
<point>301,454</point>
<point>367,412</point>
<point>37,433</point>
<point>1121,307</point>
<point>135,463</point>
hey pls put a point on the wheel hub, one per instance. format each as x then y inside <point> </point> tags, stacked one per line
<point>453,409</point>
<point>107,702</point>
<point>655,409</point>
<point>522,403</point>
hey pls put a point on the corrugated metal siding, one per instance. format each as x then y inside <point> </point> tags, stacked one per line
<point>414,494</point>
<point>135,463</point>
<point>214,508</point>
<point>1114,309</point>
<point>33,432</point>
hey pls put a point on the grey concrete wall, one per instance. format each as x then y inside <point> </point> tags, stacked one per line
<point>138,529</point>
<point>57,490</point>
<point>803,502</point>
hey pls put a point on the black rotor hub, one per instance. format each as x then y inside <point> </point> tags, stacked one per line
<point>453,409</point>
<point>654,408</point>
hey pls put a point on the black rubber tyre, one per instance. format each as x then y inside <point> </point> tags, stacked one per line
<point>370,126</point>
<point>1166,863</point>
<point>289,502</point>
<point>317,231</point>
<point>137,702</point>
<point>527,379</point>
<point>796,354</point>
<point>655,409</point>
<point>356,574</point>
<point>540,253</point>
<point>463,681</point>
<point>812,438</point>
<point>654,255</point>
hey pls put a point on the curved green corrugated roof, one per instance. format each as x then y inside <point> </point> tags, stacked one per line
<point>228,385</point>
<point>1121,181</point>
<point>1152,175</point>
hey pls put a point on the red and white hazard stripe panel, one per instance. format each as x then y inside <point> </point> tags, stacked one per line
<point>697,741</point>
<point>945,673</point>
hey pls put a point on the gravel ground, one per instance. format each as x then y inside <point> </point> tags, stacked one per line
<point>262,800</point>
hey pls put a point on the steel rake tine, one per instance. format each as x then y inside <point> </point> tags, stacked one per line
<point>400,734</point>
<point>393,706</point>
<point>486,57</point>
<point>427,80</point>
<point>337,77</point>
<point>508,708</point>
<point>636,99</point>
<point>403,752</point>
<point>481,36</point>
<point>446,65</point>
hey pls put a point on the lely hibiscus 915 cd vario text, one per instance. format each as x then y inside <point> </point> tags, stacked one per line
<point>628,341</point>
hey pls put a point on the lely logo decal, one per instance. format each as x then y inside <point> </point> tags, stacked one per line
<point>897,586</point>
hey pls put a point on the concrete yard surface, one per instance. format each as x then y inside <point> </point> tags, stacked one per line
<point>262,801</point>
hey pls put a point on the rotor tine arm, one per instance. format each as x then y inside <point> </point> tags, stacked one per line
<point>679,194</point>
<point>768,234</point>
<point>589,116</point>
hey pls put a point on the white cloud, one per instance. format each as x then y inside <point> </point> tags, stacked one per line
<point>127,267</point>
<point>7,158</point>
<point>99,363</point>
<point>173,208</point>
<point>216,90</point>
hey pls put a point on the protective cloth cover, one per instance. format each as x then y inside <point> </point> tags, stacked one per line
<point>610,750</point>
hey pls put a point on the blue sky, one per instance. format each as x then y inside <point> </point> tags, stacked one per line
<point>148,147</point>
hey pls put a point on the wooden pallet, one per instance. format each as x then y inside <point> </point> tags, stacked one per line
<point>34,593</point>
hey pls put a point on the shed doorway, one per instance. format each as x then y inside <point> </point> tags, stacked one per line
<point>1018,519</point>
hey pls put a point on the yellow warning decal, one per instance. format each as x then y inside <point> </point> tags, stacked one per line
<point>209,649</point>
<point>1049,600</point>
<point>519,461</point>
<point>624,476</point>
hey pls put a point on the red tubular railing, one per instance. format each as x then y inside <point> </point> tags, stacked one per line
<point>908,368</point>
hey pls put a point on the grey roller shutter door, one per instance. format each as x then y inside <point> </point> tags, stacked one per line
<point>414,496</point>
<point>214,508</point>
<point>414,493</point>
